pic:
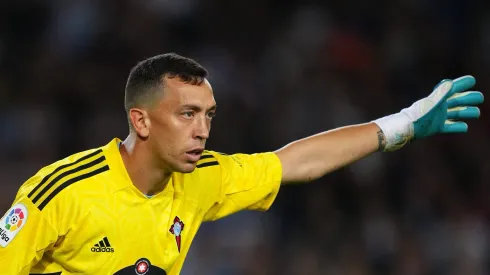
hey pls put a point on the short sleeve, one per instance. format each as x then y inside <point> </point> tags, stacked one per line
<point>248,182</point>
<point>25,234</point>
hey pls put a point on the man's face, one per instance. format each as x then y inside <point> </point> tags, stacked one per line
<point>180,123</point>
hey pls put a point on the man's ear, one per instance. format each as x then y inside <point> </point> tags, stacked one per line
<point>141,122</point>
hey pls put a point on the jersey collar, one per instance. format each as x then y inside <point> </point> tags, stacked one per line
<point>117,166</point>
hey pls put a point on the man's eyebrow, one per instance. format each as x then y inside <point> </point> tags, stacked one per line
<point>198,108</point>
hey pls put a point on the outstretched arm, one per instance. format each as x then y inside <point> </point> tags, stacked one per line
<point>312,157</point>
<point>315,156</point>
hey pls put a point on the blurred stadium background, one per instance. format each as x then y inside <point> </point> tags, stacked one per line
<point>281,70</point>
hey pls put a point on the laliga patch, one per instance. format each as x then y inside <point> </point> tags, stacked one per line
<point>12,223</point>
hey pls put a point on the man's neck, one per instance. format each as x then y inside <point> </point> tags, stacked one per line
<point>142,168</point>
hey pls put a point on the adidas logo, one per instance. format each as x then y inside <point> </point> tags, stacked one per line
<point>103,246</point>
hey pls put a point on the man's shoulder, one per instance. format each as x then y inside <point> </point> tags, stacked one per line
<point>219,159</point>
<point>235,160</point>
<point>53,180</point>
<point>213,162</point>
<point>204,183</point>
<point>209,159</point>
<point>211,168</point>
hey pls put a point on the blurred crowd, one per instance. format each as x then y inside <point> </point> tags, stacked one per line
<point>281,70</point>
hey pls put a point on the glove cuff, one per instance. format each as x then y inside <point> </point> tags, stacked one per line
<point>398,130</point>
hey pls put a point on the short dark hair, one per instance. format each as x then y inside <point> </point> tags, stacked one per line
<point>148,75</point>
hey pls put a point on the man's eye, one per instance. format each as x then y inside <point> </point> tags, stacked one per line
<point>188,114</point>
<point>211,115</point>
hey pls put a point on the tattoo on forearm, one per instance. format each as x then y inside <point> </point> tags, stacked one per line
<point>381,140</point>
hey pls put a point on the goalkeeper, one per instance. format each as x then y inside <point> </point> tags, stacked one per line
<point>134,206</point>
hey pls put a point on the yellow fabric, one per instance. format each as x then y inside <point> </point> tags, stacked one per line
<point>86,216</point>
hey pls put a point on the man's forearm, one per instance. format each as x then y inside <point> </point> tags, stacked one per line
<point>315,156</point>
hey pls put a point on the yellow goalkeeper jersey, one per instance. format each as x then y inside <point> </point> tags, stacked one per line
<point>83,215</point>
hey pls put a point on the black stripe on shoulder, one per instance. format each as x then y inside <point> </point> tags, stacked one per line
<point>46,178</point>
<point>67,173</point>
<point>70,182</point>
<point>207,164</point>
<point>206,157</point>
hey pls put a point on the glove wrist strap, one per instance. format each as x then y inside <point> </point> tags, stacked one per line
<point>398,130</point>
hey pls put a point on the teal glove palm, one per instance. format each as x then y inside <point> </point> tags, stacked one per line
<point>446,106</point>
<point>439,113</point>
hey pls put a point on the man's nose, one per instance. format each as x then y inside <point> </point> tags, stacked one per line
<point>202,129</point>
